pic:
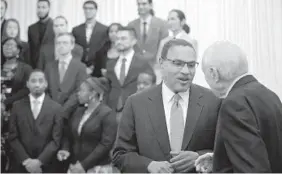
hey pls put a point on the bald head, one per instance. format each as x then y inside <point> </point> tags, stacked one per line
<point>227,58</point>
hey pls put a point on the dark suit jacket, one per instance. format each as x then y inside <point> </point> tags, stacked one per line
<point>98,38</point>
<point>30,138</point>
<point>97,137</point>
<point>129,86</point>
<point>2,27</point>
<point>158,30</point>
<point>65,92</point>
<point>18,84</point>
<point>34,42</point>
<point>249,137</point>
<point>47,54</point>
<point>143,136</point>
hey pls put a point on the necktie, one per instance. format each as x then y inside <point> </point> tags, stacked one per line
<point>144,32</point>
<point>62,70</point>
<point>35,109</point>
<point>122,71</point>
<point>176,124</point>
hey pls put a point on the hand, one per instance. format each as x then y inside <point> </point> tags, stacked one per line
<point>183,161</point>
<point>62,155</point>
<point>77,168</point>
<point>104,72</point>
<point>89,69</point>
<point>33,165</point>
<point>160,167</point>
<point>204,163</point>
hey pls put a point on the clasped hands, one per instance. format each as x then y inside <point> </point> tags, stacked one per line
<point>182,161</point>
<point>73,168</point>
<point>32,165</point>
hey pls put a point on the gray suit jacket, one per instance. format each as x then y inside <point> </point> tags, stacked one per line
<point>47,54</point>
<point>65,92</point>
<point>143,136</point>
<point>157,31</point>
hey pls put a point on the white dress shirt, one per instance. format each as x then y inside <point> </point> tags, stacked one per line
<point>148,22</point>
<point>66,60</point>
<point>89,29</point>
<point>39,100</point>
<point>83,120</point>
<point>168,101</point>
<point>128,61</point>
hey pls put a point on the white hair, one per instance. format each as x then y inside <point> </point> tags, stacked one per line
<point>228,58</point>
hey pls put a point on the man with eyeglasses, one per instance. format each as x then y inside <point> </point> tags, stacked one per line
<point>165,128</point>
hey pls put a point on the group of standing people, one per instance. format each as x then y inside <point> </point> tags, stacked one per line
<point>91,101</point>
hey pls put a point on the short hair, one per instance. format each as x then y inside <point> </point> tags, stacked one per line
<point>151,73</point>
<point>173,43</point>
<point>66,34</point>
<point>35,71</point>
<point>61,17</point>
<point>48,2</point>
<point>131,31</point>
<point>112,24</point>
<point>180,14</point>
<point>18,42</point>
<point>6,3</point>
<point>91,2</point>
<point>228,58</point>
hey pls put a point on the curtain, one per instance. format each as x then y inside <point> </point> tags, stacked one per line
<point>255,25</point>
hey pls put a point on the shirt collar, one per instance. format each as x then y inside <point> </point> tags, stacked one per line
<point>232,84</point>
<point>147,20</point>
<point>168,94</point>
<point>178,36</point>
<point>128,56</point>
<point>90,24</point>
<point>40,99</point>
<point>66,59</point>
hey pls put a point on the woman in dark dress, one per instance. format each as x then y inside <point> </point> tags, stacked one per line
<point>108,51</point>
<point>12,29</point>
<point>93,129</point>
<point>14,74</point>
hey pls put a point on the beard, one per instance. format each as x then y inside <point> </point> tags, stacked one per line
<point>44,17</point>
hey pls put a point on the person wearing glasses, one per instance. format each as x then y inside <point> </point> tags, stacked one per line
<point>165,128</point>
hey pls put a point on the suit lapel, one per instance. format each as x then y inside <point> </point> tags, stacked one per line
<point>132,72</point>
<point>28,112</point>
<point>193,114</point>
<point>94,31</point>
<point>69,75</point>
<point>137,29</point>
<point>157,117</point>
<point>93,115</point>
<point>150,31</point>
<point>43,110</point>
<point>111,73</point>
<point>55,73</point>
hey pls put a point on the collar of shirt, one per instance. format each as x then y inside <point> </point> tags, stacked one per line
<point>90,25</point>
<point>168,94</point>
<point>128,57</point>
<point>178,36</point>
<point>66,59</point>
<point>232,84</point>
<point>39,99</point>
<point>147,20</point>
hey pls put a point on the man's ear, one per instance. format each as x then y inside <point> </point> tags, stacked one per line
<point>214,73</point>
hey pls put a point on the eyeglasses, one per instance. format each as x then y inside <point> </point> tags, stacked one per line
<point>180,64</point>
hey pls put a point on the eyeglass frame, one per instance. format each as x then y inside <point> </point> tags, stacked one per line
<point>196,64</point>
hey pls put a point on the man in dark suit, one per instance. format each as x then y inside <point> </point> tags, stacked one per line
<point>65,74</point>
<point>35,129</point>
<point>91,35</point>
<point>165,128</point>
<point>41,32</point>
<point>4,6</point>
<point>47,52</point>
<point>249,135</point>
<point>150,31</point>
<point>123,72</point>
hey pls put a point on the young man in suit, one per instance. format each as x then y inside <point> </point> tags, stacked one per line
<point>65,74</point>
<point>150,31</point>
<point>47,52</point>
<point>249,135</point>
<point>35,129</point>
<point>41,32</point>
<point>4,6</point>
<point>165,128</point>
<point>91,35</point>
<point>123,72</point>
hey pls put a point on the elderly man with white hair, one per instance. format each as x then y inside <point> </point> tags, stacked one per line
<point>249,130</point>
